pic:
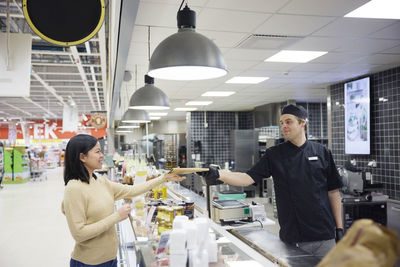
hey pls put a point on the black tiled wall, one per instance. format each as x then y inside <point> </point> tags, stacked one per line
<point>215,138</point>
<point>246,120</point>
<point>385,129</point>
<point>317,120</point>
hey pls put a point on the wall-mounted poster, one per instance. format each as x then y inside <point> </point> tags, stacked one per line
<point>357,116</point>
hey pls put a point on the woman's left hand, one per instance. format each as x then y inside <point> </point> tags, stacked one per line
<point>174,178</point>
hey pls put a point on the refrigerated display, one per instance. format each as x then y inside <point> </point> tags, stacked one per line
<point>1,165</point>
<point>16,165</point>
<point>21,165</point>
<point>8,165</point>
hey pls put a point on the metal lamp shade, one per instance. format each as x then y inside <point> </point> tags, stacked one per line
<point>149,97</point>
<point>187,55</point>
<point>135,116</point>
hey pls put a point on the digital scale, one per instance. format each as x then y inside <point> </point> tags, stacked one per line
<point>229,210</point>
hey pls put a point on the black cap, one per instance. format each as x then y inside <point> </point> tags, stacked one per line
<point>297,111</point>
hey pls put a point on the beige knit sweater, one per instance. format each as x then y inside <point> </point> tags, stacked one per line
<point>89,209</point>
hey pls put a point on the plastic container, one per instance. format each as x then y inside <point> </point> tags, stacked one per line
<point>231,195</point>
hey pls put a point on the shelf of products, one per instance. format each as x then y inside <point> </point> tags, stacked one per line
<point>171,151</point>
<point>144,248</point>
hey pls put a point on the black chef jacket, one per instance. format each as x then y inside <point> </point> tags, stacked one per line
<point>302,178</point>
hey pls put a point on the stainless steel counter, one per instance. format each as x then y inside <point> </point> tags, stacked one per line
<point>274,249</point>
<point>254,241</point>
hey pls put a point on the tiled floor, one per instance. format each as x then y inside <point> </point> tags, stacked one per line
<point>33,231</point>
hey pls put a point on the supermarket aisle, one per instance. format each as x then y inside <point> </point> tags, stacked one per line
<point>33,231</point>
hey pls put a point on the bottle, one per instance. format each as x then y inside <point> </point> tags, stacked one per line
<point>164,192</point>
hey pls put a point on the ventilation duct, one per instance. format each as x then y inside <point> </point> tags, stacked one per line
<point>267,115</point>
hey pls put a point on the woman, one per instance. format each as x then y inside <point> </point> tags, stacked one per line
<point>89,203</point>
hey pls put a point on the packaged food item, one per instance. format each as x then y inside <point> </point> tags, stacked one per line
<point>189,209</point>
<point>169,214</point>
<point>153,204</point>
<point>178,210</point>
<point>164,192</point>
<point>160,219</point>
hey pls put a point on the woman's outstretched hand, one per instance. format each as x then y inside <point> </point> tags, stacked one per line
<point>124,211</point>
<point>174,178</point>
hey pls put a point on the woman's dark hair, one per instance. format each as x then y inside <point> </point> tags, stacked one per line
<point>74,168</point>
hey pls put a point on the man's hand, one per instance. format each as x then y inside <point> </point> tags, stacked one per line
<point>211,176</point>
<point>339,234</point>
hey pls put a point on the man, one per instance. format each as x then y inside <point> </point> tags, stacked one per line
<point>306,185</point>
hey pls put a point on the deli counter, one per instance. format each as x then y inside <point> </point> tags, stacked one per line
<point>240,245</point>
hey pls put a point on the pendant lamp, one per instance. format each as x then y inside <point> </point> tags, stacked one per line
<point>187,55</point>
<point>135,116</point>
<point>149,97</point>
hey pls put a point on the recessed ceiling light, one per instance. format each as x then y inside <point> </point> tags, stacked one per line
<point>185,109</point>
<point>250,80</point>
<point>155,118</point>
<point>377,9</point>
<point>295,56</point>
<point>123,131</point>
<point>198,103</point>
<point>128,126</point>
<point>158,114</point>
<point>218,93</point>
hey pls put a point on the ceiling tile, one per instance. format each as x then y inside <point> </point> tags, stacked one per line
<point>322,7</point>
<point>313,43</point>
<point>390,32</point>
<point>249,54</point>
<point>224,39</point>
<point>227,20</point>
<point>177,3</point>
<point>394,50</point>
<point>292,25</point>
<point>333,57</point>
<point>379,59</point>
<point>158,34</point>
<point>274,66</point>
<point>353,27</point>
<point>364,45</point>
<point>240,64</point>
<point>317,67</point>
<point>253,5</point>
<point>166,14</point>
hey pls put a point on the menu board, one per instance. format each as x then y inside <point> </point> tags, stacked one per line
<point>357,116</point>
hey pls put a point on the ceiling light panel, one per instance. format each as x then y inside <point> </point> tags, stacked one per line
<point>155,118</point>
<point>218,93</point>
<point>377,9</point>
<point>129,126</point>
<point>295,56</point>
<point>247,80</point>
<point>185,109</point>
<point>198,103</point>
<point>155,114</point>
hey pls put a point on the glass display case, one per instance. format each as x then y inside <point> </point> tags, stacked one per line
<point>244,245</point>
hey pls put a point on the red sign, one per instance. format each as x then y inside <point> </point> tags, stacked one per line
<point>39,129</point>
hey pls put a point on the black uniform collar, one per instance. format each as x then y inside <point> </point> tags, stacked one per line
<point>303,146</point>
